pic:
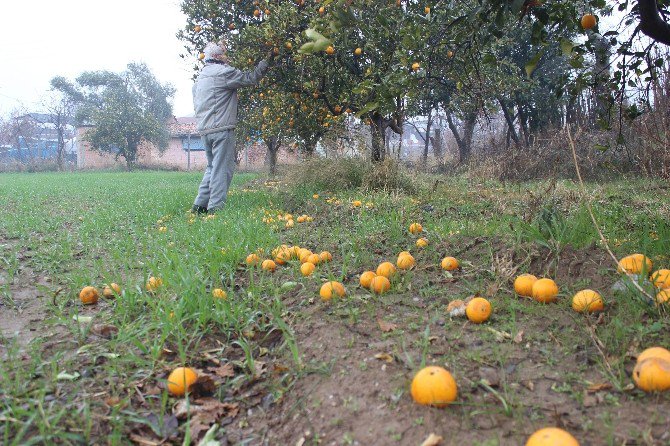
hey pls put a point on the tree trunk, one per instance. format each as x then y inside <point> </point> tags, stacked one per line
<point>426,142</point>
<point>271,155</point>
<point>378,138</point>
<point>464,142</point>
<point>60,149</point>
<point>510,122</point>
<point>436,142</point>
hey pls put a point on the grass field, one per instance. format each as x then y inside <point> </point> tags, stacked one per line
<point>285,368</point>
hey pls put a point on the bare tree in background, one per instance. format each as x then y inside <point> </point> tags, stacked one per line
<point>60,108</point>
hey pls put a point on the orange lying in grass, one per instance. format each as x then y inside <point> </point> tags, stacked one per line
<point>111,290</point>
<point>380,284</point>
<point>331,289</point>
<point>545,290</point>
<point>314,258</point>
<point>154,283</point>
<point>252,259</point>
<point>422,242</point>
<point>406,262</point>
<point>434,386</point>
<point>304,255</point>
<point>552,436</point>
<point>366,278</point>
<point>661,279</point>
<point>635,264</point>
<point>449,263</point>
<point>652,374</point>
<point>180,380</point>
<point>663,296</point>
<point>386,269</point>
<point>269,265</point>
<point>325,256</point>
<point>88,295</point>
<point>415,228</point>
<point>523,285</point>
<point>654,352</point>
<point>478,310</point>
<point>306,269</point>
<point>587,301</point>
<point>218,293</point>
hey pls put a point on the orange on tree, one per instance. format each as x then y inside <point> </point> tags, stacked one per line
<point>415,228</point>
<point>358,52</point>
<point>366,278</point>
<point>523,285</point>
<point>416,66</point>
<point>322,10</point>
<point>422,242</point>
<point>545,290</point>
<point>269,265</point>
<point>661,278</point>
<point>635,264</point>
<point>252,259</point>
<point>426,9</point>
<point>380,284</point>
<point>197,28</point>
<point>449,263</point>
<point>551,436</point>
<point>306,269</point>
<point>588,21</point>
<point>218,293</point>
<point>478,310</point>
<point>257,13</point>
<point>180,380</point>
<point>111,290</point>
<point>450,54</point>
<point>386,269</point>
<point>231,26</point>
<point>406,262</point>
<point>288,45</point>
<point>201,56</point>
<point>88,295</point>
<point>652,374</point>
<point>330,289</point>
<point>654,352</point>
<point>330,50</point>
<point>587,301</point>
<point>434,386</point>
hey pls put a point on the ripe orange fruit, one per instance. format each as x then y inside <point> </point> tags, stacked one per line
<point>218,293</point>
<point>380,284</point>
<point>269,265</point>
<point>180,380</point>
<point>652,374</point>
<point>450,54</point>
<point>415,228</point>
<point>358,52</point>
<point>314,258</point>
<point>478,310</point>
<point>545,290</point>
<point>416,66</point>
<point>551,436</point>
<point>426,9</point>
<point>154,283</point>
<point>330,50</point>
<point>422,242</point>
<point>406,262</point>
<point>88,295</point>
<point>434,386</point>
<point>356,203</point>
<point>587,301</point>
<point>322,10</point>
<point>523,285</point>
<point>197,28</point>
<point>252,259</point>
<point>661,278</point>
<point>386,269</point>
<point>654,352</point>
<point>257,13</point>
<point>304,254</point>
<point>295,252</point>
<point>267,12</point>
<point>588,21</point>
<point>231,26</point>
<point>201,56</point>
<point>325,256</point>
<point>112,290</point>
<point>288,45</point>
<point>635,264</point>
<point>329,289</point>
<point>663,296</point>
<point>307,269</point>
<point>366,278</point>
<point>449,264</point>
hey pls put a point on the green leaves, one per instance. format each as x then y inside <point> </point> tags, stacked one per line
<point>318,42</point>
<point>532,64</point>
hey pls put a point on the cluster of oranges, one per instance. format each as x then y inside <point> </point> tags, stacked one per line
<point>640,264</point>
<point>284,254</point>
<point>288,219</point>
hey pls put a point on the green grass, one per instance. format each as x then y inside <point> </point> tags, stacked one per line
<point>95,228</point>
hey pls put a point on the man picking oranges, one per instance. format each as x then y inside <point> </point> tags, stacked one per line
<point>215,103</point>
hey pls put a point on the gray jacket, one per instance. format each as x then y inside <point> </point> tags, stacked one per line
<point>215,95</point>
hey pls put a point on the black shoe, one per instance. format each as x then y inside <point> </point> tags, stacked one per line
<point>198,209</point>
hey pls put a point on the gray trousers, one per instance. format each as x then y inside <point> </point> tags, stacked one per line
<point>220,152</point>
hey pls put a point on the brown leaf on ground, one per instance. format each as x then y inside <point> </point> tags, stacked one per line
<point>432,440</point>
<point>518,338</point>
<point>203,413</point>
<point>492,289</point>
<point>203,386</point>
<point>384,357</point>
<point>104,330</point>
<point>278,369</point>
<point>386,326</point>
<point>223,371</point>
<point>598,387</point>
<point>260,368</point>
<point>143,441</point>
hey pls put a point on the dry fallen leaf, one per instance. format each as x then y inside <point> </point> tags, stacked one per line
<point>260,368</point>
<point>224,371</point>
<point>384,357</point>
<point>203,413</point>
<point>598,387</point>
<point>529,385</point>
<point>203,386</point>
<point>500,335</point>
<point>143,441</point>
<point>386,326</point>
<point>518,338</point>
<point>104,330</point>
<point>432,440</point>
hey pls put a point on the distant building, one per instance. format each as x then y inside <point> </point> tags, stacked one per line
<point>36,138</point>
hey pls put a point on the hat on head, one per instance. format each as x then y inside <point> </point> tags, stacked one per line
<point>214,50</point>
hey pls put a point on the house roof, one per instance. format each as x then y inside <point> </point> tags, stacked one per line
<point>182,126</point>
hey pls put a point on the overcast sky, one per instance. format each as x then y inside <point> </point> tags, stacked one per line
<point>42,39</point>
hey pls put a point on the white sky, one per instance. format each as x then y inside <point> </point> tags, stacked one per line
<point>40,39</point>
